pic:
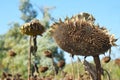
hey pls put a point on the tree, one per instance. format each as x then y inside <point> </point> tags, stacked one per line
<point>14,40</point>
<point>28,13</point>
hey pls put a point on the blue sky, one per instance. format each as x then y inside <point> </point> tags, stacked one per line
<point>106,12</point>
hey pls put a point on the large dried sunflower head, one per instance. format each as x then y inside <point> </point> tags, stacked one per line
<point>80,36</point>
<point>32,28</point>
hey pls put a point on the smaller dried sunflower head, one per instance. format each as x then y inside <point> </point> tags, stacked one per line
<point>32,28</point>
<point>43,69</point>
<point>48,53</point>
<point>117,61</point>
<point>61,64</point>
<point>106,59</point>
<point>11,53</point>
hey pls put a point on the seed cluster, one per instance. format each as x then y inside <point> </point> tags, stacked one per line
<point>106,59</point>
<point>80,36</point>
<point>61,64</point>
<point>117,61</point>
<point>48,53</point>
<point>11,53</point>
<point>32,28</point>
<point>43,69</point>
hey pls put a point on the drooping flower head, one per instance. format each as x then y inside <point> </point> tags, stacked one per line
<point>32,28</point>
<point>80,36</point>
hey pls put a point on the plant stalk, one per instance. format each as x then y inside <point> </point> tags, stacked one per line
<point>98,66</point>
<point>78,68</point>
<point>73,77</point>
<point>53,65</point>
<point>29,59</point>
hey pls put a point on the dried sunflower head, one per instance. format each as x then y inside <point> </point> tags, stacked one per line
<point>43,69</point>
<point>11,53</point>
<point>117,61</point>
<point>61,64</point>
<point>80,36</point>
<point>32,28</point>
<point>106,59</point>
<point>48,53</point>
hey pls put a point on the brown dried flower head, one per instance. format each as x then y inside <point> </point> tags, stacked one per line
<point>8,78</point>
<point>48,53</point>
<point>43,69</point>
<point>4,75</point>
<point>61,64</point>
<point>117,61</point>
<point>9,74</point>
<point>11,53</point>
<point>32,28</point>
<point>106,59</point>
<point>80,36</point>
<point>18,75</point>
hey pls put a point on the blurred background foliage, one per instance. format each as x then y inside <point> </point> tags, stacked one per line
<point>19,43</point>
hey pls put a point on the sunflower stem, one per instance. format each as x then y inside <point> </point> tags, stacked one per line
<point>78,68</point>
<point>98,66</point>
<point>53,65</point>
<point>29,59</point>
<point>73,77</point>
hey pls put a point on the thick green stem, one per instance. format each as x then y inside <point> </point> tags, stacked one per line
<point>98,66</point>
